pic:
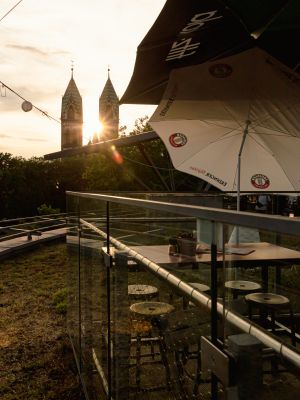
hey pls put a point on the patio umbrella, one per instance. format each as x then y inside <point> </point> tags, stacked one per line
<point>234,122</point>
<point>193,32</point>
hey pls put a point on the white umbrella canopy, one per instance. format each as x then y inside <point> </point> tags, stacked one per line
<point>248,105</point>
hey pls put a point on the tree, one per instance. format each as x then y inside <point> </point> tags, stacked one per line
<point>141,125</point>
<point>122,130</point>
<point>11,177</point>
<point>26,184</point>
<point>104,174</point>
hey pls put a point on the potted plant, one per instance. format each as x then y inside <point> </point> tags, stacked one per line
<point>187,243</point>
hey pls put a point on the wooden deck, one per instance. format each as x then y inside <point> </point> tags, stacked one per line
<point>13,246</point>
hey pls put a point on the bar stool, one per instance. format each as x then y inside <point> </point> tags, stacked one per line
<point>181,332</point>
<point>239,287</point>
<point>142,292</point>
<point>146,312</point>
<point>270,304</point>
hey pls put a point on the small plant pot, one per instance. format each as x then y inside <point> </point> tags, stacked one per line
<point>187,247</point>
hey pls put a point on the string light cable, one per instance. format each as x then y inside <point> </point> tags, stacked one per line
<point>27,105</point>
<point>9,11</point>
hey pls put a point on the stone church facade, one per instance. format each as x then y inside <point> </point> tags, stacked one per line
<point>72,114</point>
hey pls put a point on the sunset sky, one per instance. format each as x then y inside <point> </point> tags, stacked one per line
<point>40,38</point>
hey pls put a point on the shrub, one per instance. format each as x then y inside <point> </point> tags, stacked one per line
<point>61,308</point>
<point>60,296</point>
<point>45,209</point>
<point>60,301</point>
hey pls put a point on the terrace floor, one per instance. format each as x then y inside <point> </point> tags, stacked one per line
<point>36,359</point>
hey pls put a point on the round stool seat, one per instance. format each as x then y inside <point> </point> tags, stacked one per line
<point>243,286</point>
<point>268,299</point>
<point>142,291</point>
<point>271,303</point>
<point>148,309</point>
<point>200,286</point>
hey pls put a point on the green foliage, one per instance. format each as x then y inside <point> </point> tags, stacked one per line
<point>141,125</point>
<point>61,308</point>
<point>60,296</point>
<point>45,209</point>
<point>60,301</point>
<point>35,184</point>
<point>36,359</point>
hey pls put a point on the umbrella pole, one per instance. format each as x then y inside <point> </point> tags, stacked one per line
<point>238,199</point>
<point>239,165</point>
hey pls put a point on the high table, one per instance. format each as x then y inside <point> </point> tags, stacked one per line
<point>260,254</point>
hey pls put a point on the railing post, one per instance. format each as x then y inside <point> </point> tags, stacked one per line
<point>120,328</point>
<point>214,296</point>
<point>246,350</point>
<point>108,268</point>
<point>79,289</point>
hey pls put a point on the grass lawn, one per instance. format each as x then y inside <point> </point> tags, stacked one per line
<point>36,359</point>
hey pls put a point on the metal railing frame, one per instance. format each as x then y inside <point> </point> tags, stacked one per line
<point>277,224</point>
<point>281,225</point>
<point>202,299</point>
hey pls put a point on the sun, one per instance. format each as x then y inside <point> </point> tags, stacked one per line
<point>91,125</point>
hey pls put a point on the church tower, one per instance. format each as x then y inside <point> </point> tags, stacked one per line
<point>71,117</point>
<point>109,111</point>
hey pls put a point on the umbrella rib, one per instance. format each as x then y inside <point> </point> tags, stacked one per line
<point>259,121</point>
<point>279,134</point>
<point>259,144</point>
<point>218,125</point>
<point>262,146</point>
<point>232,116</point>
<point>254,125</point>
<point>224,137</point>
<point>269,116</point>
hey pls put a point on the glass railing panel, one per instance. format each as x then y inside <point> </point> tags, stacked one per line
<point>93,304</point>
<point>260,285</point>
<point>87,290</point>
<point>160,317</point>
<point>73,309</point>
<point>144,311</point>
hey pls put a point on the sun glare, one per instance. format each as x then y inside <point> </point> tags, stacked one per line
<point>90,127</point>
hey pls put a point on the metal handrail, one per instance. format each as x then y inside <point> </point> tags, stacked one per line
<point>279,224</point>
<point>200,299</point>
<point>25,232</point>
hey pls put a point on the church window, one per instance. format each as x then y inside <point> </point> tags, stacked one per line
<point>71,113</point>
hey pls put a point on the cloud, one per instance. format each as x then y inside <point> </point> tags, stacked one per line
<point>34,140</point>
<point>59,52</point>
<point>37,50</point>
<point>26,139</point>
<point>31,49</point>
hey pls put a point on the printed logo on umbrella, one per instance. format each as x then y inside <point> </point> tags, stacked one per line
<point>177,139</point>
<point>260,181</point>
<point>220,70</point>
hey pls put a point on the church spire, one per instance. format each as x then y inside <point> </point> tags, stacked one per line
<point>71,116</point>
<point>109,110</point>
